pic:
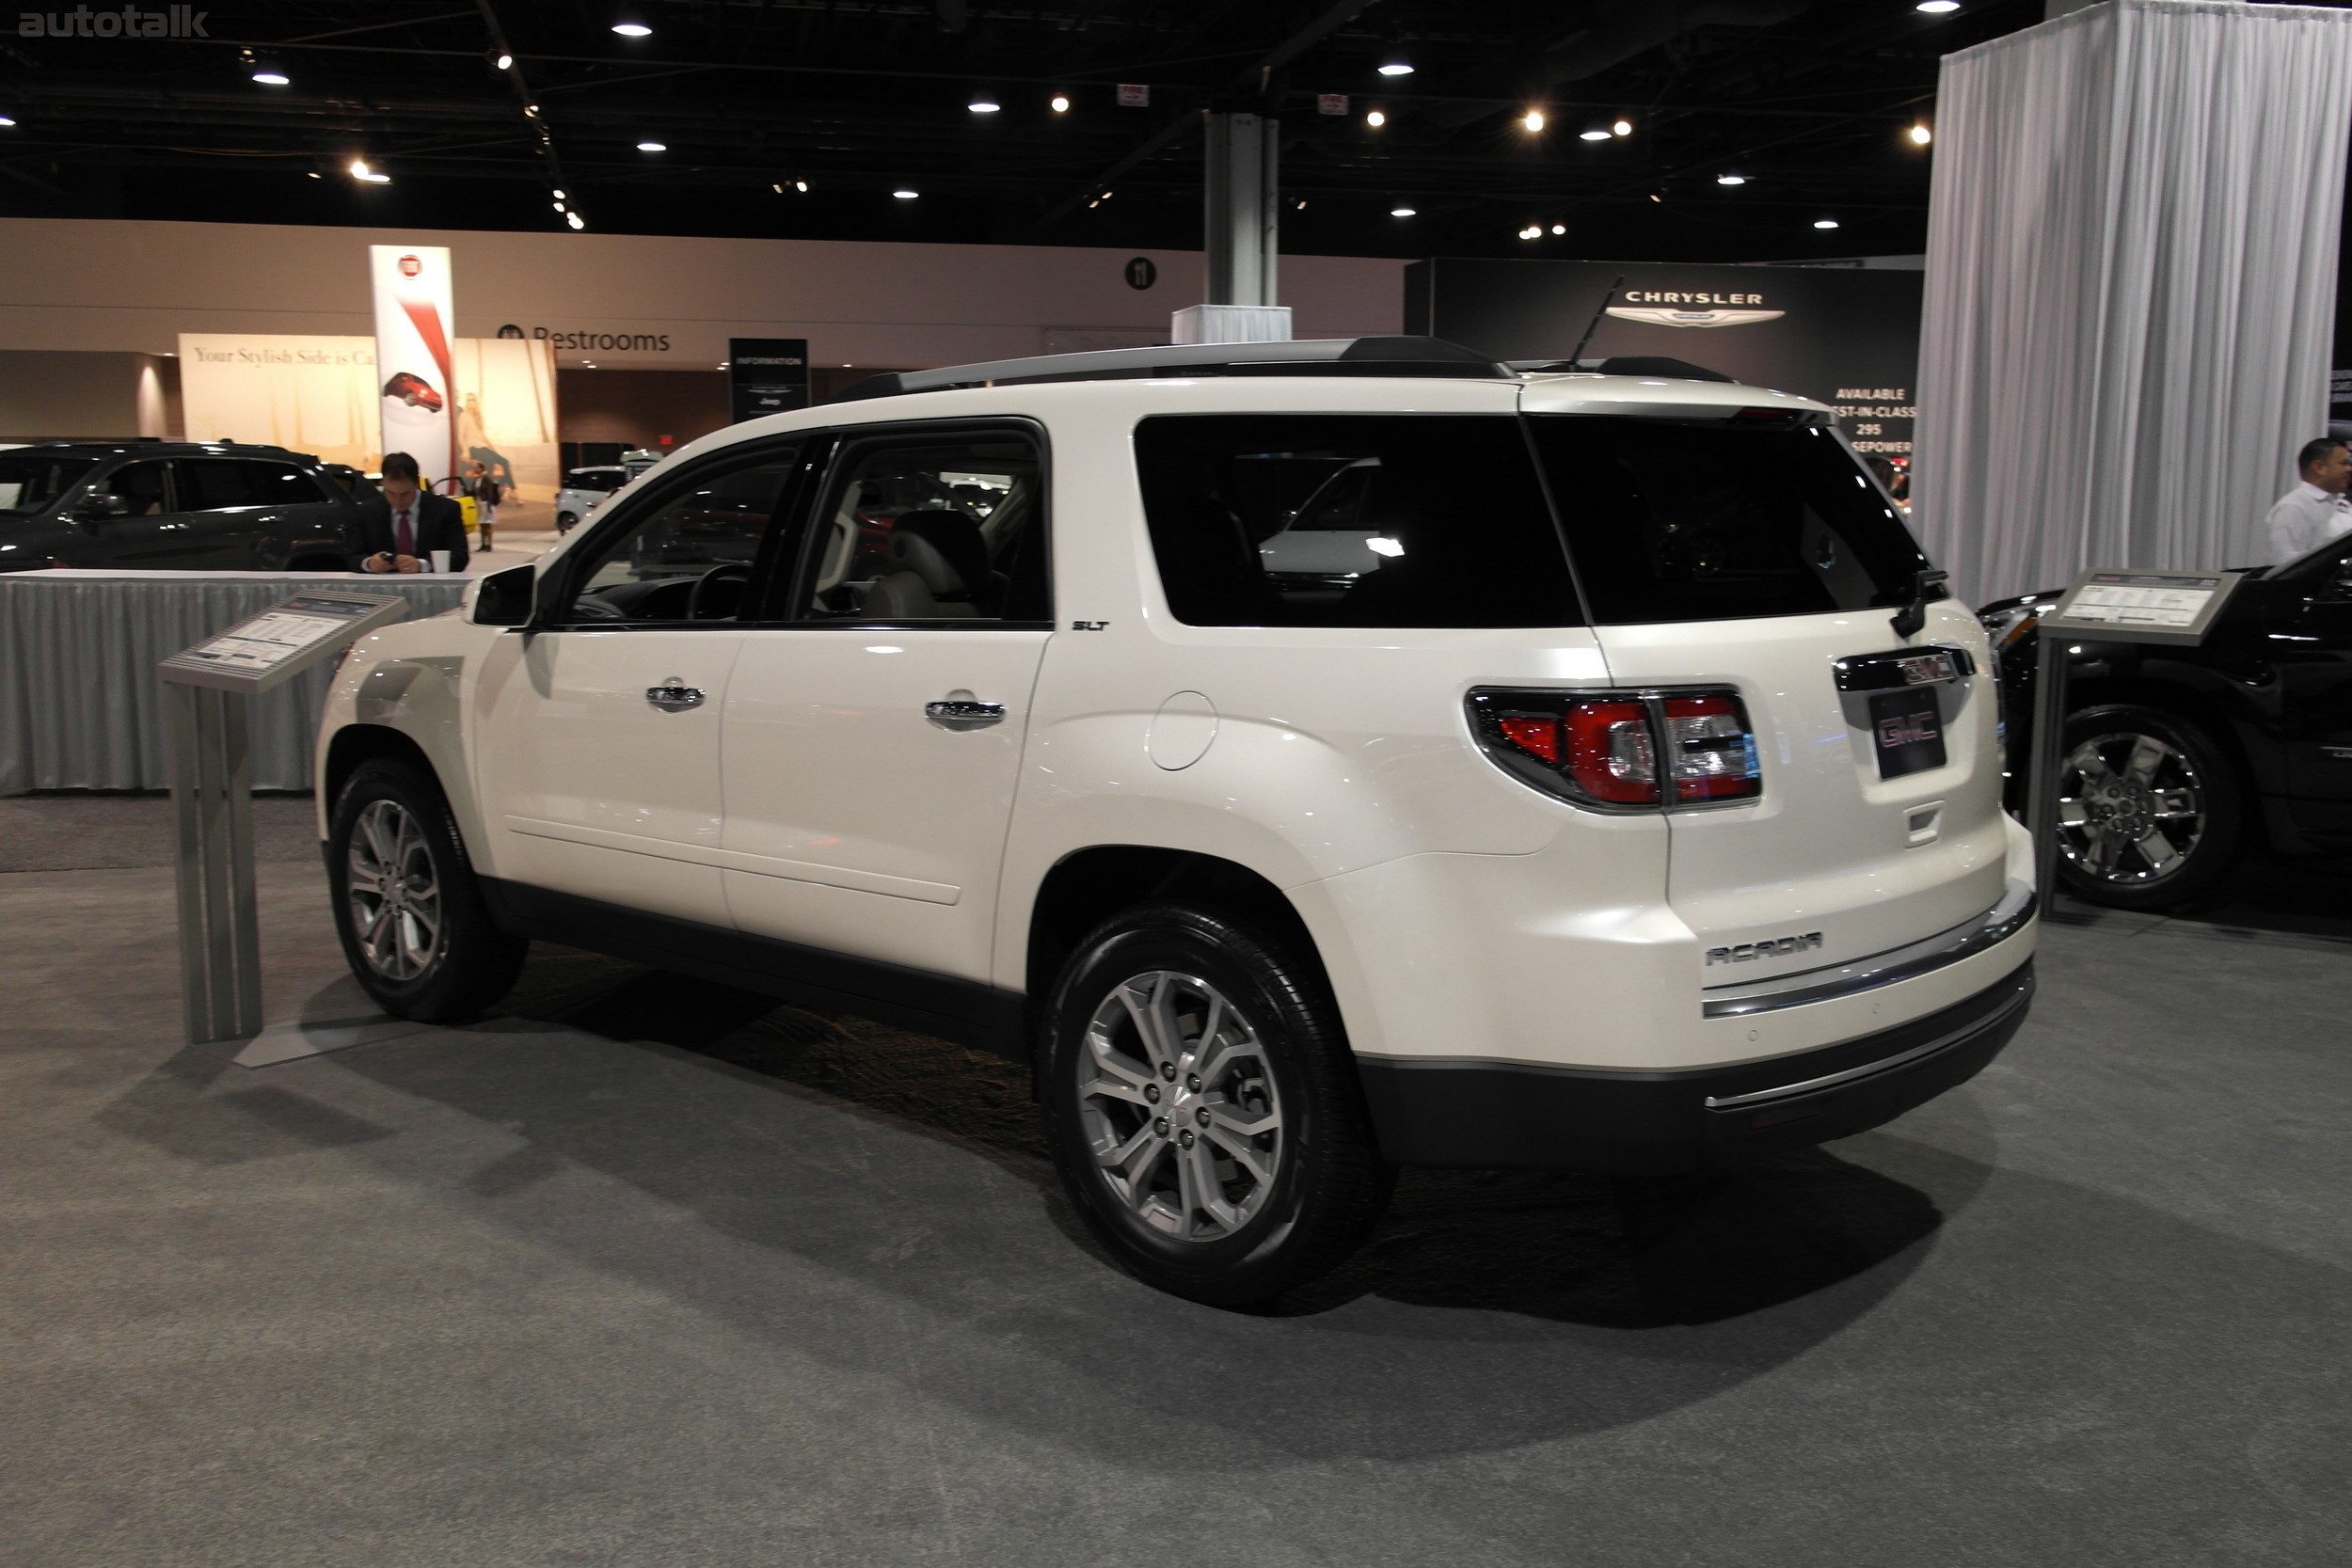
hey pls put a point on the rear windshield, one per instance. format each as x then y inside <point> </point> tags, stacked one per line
<point>1351,520</point>
<point>32,483</point>
<point>1704,522</point>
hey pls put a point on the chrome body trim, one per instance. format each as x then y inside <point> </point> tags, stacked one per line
<point>1868,1070</point>
<point>1966,940</point>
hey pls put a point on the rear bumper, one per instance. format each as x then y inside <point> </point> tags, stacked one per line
<point>1497,1115</point>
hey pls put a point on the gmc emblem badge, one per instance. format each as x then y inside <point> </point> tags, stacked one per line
<point>1774,947</point>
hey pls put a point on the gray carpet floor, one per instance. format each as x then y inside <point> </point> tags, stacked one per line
<point>646,1273</point>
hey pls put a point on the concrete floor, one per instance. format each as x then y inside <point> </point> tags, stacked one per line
<point>643,1272</point>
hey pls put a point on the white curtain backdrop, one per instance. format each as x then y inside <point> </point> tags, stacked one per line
<point>2131,287</point>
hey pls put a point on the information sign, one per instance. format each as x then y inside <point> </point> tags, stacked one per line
<point>281,641</point>
<point>2132,606</point>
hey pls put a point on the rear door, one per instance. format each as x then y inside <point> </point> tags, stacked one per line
<point>227,517</point>
<point>1754,554</point>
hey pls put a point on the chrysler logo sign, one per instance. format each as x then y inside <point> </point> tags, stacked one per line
<point>1664,308</point>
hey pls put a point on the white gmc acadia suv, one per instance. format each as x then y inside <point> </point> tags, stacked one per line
<point>1612,786</point>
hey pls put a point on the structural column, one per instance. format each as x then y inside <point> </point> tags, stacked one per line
<point>1242,224</point>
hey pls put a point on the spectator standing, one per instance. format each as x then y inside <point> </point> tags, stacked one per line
<point>400,529</point>
<point>2315,510</point>
<point>486,493</point>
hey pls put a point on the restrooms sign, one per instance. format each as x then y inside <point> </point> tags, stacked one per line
<point>413,313</point>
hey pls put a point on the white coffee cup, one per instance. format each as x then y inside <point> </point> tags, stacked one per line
<point>441,561</point>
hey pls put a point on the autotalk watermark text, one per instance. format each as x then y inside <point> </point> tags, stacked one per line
<point>172,22</point>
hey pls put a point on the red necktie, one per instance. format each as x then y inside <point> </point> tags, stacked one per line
<point>403,541</point>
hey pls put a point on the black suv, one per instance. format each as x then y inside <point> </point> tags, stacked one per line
<point>203,506</point>
<point>2177,757</point>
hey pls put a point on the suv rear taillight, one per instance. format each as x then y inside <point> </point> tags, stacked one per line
<point>1602,749</point>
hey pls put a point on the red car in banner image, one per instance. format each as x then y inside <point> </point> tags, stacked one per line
<point>414,390</point>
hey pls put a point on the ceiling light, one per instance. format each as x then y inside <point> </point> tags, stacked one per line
<point>1596,131</point>
<point>558,206</point>
<point>1731,178</point>
<point>800,185</point>
<point>573,218</point>
<point>1621,127</point>
<point>1375,120</point>
<point>1396,66</point>
<point>1921,135</point>
<point>314,174</point>
<point>1533,120</point>
<point>1059,102</point>
<point>629,27</point>
<point>532,109</point>
<point>1559,227</point>
<point>1824,222</point>
<point>270,73</point>
<point>983,104</point>
<point>560,196</point>
<point>1400,211</point>
<point>1936,8</point>
<point>5,121</point>
<point>653,147</point>
<point>1533,231</point>
<point>906,196</point>
<point>359,171</point>
<point>504,61</point>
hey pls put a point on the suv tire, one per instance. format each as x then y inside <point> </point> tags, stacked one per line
<point>2145,769</point>
<point>407,908</point>
<point>1203,1106</point>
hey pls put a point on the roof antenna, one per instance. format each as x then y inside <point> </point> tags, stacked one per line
<point>1575,360</point>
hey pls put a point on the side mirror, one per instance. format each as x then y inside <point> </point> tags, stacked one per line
<point>99,506</point>
<point>503,598</point>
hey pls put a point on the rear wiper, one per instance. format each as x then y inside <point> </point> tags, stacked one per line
<point>1926,589</point>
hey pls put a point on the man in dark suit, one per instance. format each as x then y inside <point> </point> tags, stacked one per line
<point>399,532</point>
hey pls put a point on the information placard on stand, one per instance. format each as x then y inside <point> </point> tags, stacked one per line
<point>2107,604</point>
<point>206,688</point>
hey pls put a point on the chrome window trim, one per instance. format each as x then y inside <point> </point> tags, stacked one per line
<point>2004,920</point>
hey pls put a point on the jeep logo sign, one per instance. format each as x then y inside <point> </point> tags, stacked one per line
<point>1775,948</point>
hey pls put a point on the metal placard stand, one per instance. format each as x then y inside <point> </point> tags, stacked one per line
<point>206,691</point>
<point>2111,605</point>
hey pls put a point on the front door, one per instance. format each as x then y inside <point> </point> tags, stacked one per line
<point>873,742</point>
<point>599,733</point>
<point>154,533</point>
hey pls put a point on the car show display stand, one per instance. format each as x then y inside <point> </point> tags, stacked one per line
<point>2111,605</point>
<point>207,687</point>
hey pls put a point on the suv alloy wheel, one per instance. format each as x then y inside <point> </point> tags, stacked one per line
<point>2149,810</point>
<point>1203,1109</point>
<point>410,913</point>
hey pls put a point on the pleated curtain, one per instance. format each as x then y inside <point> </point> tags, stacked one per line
<point>2131,287</point>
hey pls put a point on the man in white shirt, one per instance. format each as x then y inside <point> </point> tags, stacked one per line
<point>2315,511</point>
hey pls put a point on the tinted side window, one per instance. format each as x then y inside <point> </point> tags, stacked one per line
<point>1689,522</point>
<point>142,485</point>
<point>279,485</point>
<point>933,527</point>
<point>1351,520</point>
<point>647,570</point>
<point>215,483</point>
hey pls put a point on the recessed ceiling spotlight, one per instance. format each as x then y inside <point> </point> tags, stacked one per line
<point>1937,7</point>
<point>1921,135</point>
<point>1533,231</point>
<point>559,196</point>
<point>1621,128</point>
<point>1731,178</point>
<point>1376,119</point>
<point>1559,227</point>
<point>1396,64</point>
<point>800,186</point>
<point>1059,102</point>
<point>504,61</point>
<point>558,206</point>
<point>270,73</point>
<point>906,196</point>
<point>1595,131</point>
<point>5,121</point>
<point>1533,120</point>
<point>314,174</point>
<point>629,27</point>
<point>574,219</point>
<point>1824,222</point>
<point>653,147</point>
<point>982,104</point>
<point>359,171</point>
<point>1401,211</point>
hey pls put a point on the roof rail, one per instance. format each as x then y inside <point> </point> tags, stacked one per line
<point>1624,364</point>
<point>1408,356</point>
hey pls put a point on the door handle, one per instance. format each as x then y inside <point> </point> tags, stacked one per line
<point>960,710</point>
<point>674,697</point>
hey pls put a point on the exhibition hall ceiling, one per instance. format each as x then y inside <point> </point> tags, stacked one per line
<point>1731,129</point>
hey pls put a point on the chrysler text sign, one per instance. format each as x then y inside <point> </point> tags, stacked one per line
<point>1849,337</point>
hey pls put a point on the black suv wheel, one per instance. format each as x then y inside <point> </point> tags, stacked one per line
<point>2150,809</point>
<point>1203,1108</point>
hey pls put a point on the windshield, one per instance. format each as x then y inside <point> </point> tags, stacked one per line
<point>1688,522</point>
<point>32,482</point>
